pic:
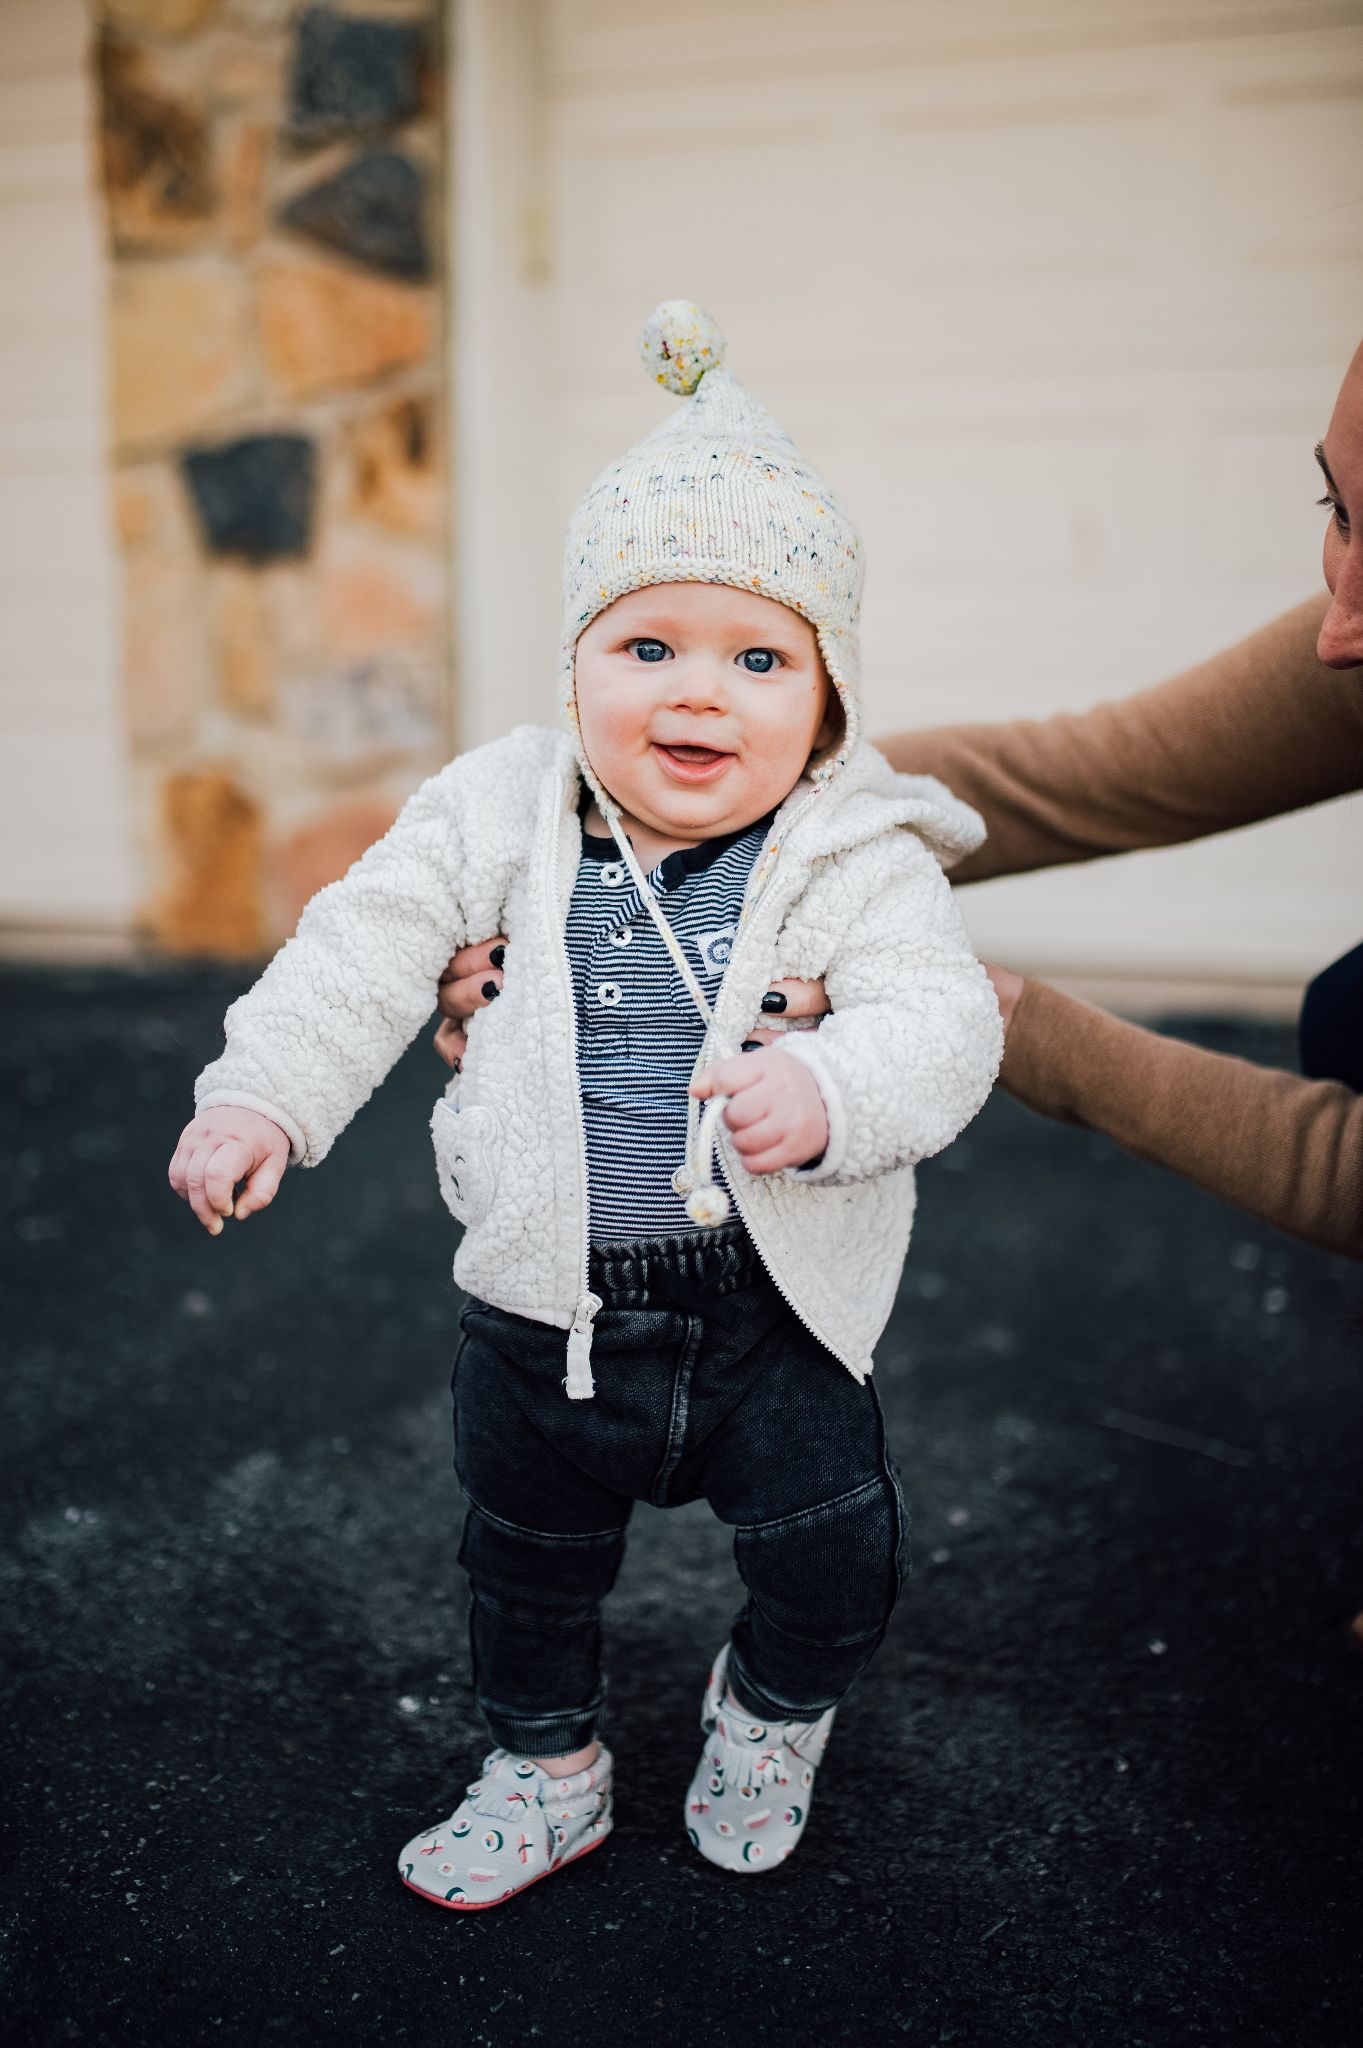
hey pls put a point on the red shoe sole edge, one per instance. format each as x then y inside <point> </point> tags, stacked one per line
<point>483,1905</point>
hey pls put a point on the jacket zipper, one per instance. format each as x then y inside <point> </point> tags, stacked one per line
<point>578,1379</point>
<point>764,883</point>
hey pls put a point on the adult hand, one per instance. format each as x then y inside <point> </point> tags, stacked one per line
<point>775,1112</point>
<point>789,999</point>
<point>472,980</point>
<point>1008,988</point>
<point>219,1148</point>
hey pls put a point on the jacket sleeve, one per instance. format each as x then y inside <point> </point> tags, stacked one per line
<point>1283,1149</point>
<point>911,1050</point>
<point>337,1006</point>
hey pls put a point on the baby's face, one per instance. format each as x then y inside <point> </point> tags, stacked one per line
<point>700,705</point>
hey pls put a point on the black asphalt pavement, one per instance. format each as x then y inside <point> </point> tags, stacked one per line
<point>1101,1786</point>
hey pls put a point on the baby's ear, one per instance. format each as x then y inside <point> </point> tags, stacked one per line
<point>832,726</point>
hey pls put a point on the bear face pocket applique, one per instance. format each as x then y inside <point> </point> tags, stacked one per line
<point>465,1142</point>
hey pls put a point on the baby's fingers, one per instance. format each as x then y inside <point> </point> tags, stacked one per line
<point>214,1174</point>
<point>727,1077</point>
<point>261,1187</point>
<point>757,1139</point>
<point>194,1191</point>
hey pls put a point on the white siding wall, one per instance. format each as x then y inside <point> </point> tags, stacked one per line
<point>1057,296</point>
<point>65,857</point>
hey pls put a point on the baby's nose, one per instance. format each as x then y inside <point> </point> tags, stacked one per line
<point>701,685</point>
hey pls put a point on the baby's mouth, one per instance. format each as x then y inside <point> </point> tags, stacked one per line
<point>691,764</point>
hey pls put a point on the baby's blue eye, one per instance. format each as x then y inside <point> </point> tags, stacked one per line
<point>759,661</point>
<point>648,650</point>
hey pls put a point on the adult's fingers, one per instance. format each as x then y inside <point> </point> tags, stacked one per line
<point>802,999</point>
<point>471,960</point>
<point>450,1042</point>
<point>261,1187</point>
<point>459,999</point>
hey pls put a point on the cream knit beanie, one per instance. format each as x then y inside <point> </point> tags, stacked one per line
<point>717,493</point>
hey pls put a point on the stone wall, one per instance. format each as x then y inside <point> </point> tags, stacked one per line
<point>274,195</point>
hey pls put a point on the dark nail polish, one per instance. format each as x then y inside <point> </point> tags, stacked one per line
<point>773,1002</point>
<point>750,1045</point>
<point>498,956</point>
<point>490,989</point>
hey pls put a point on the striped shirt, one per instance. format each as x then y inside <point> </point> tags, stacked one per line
<point>638,1032</point>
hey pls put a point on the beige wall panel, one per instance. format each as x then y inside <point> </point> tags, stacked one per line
<point>65,858</point>
<point>1057,298</point>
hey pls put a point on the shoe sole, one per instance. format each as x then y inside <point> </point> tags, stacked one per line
<point>485,1905</point>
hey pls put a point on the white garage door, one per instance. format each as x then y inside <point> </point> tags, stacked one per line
<point>64,853</point>
<point>1057,296</point>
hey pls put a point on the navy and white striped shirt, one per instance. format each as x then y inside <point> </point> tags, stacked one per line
<point>638,1032</point>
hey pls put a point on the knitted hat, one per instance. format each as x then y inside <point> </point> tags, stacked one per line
<point>717,493</point>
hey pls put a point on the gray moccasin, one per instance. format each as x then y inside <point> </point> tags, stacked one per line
<point>749,1799</point>
<point>513,1827</point>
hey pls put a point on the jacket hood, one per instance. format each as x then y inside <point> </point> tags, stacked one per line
<point>865,796</point>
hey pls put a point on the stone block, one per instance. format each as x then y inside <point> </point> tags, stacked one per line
<point>371,210</point>
<point>396,475</point>
<point>155,154</point>
<point>242,649</point>
<point>363,714</point>
<point>321,851</point>
<point>352,75</point>
<point>246,70</point>
<point>254,497</point>
<point>162,653</point>
<point>169,18</point>
<point>322,327</point>
<point>293,611</point>
<point>374,596</point>
<point>212,900</point>
<point>178,345</point>
<point>245,157</point>
<point>136,507</point>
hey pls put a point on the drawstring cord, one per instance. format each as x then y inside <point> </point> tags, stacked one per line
<point>707,1203</point>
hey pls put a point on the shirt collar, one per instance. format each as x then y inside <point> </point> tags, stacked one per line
<point>674,870</point>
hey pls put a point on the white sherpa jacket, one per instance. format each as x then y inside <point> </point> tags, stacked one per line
<point>849,887</point>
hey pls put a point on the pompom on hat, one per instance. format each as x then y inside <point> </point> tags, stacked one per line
<point>717,493</point>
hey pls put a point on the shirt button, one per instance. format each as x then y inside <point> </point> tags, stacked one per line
<point>608,994</point>
<point>624,937</point>
<point>612,874</point>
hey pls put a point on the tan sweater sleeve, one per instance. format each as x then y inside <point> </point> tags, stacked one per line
<point>1260,729</point>
<point>1285,1150</point>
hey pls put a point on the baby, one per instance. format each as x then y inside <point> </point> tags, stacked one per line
<point>640,1326</point>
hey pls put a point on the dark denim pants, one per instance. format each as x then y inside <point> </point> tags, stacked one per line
<point>707,1385</point>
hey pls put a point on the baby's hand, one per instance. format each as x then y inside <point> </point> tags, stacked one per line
<point>776,1114</point>
<point>218,1149</point>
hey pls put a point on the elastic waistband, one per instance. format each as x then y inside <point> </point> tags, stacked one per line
<point>719,1261</point>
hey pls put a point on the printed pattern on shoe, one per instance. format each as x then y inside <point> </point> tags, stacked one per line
<point>749,1799</point>
<point>514,1826</point>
